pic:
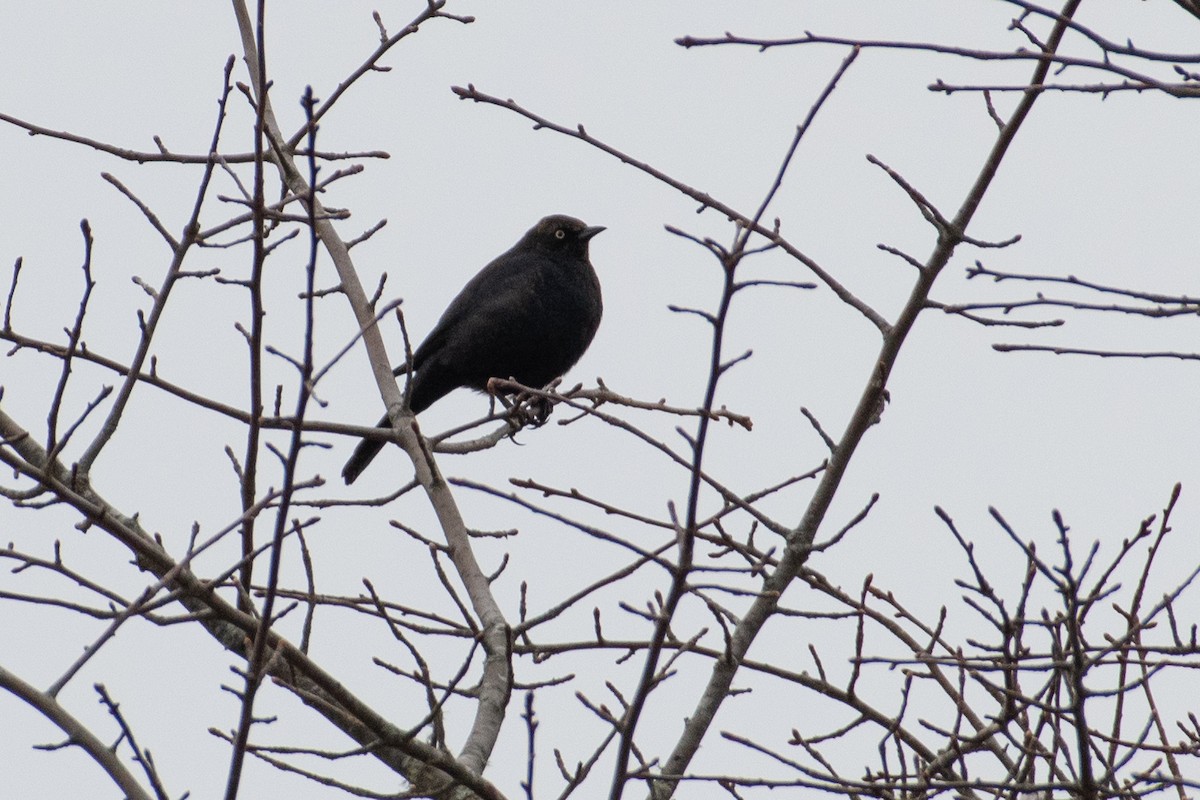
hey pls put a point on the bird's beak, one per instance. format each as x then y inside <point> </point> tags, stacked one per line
<point>588,233</point>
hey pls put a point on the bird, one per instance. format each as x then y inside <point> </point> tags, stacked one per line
<point>529,315</point>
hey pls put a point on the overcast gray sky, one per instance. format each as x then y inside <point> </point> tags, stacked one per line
<point>1102,188</point>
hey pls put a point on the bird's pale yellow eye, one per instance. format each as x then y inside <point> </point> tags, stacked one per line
<point>560,233</point>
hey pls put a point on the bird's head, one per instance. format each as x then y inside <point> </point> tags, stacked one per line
<point>561,233</point>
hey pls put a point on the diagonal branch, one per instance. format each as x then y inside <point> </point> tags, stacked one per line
<point>233,628</point>
<point>496,683</point>
<point>800,542</point>
<point>78,733</point>
<point>190,229</point>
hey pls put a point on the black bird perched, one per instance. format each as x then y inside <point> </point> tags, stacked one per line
<point>528,315</point>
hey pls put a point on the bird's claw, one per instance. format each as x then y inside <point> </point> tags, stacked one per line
<point>527,410</point>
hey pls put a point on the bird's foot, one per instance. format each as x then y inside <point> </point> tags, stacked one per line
<point>527,410</point>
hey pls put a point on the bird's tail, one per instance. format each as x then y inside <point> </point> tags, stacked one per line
<point>363,455</point>
<point>424,391</point>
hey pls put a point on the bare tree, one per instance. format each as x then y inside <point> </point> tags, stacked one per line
<point>1060,676</point>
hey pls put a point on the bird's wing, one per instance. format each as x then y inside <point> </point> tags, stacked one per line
<point>492,290</point>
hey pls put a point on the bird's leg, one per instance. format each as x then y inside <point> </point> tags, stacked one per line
<point>512,415</point>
